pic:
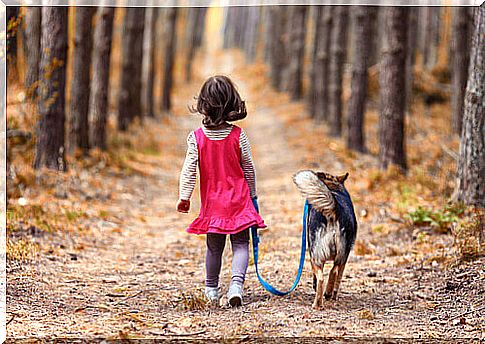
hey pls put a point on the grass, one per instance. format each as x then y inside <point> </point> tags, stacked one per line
<point>440,220</point>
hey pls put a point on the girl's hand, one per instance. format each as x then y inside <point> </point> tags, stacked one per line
<point>183,206</point>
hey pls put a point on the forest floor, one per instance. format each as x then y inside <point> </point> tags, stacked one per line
<point>100,252</point>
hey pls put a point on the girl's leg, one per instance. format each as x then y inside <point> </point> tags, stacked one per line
<point>240,256</point>
<point>213,258</point>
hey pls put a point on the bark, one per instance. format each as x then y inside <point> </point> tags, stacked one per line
<point>277,57</point>
<point>322,67</point>
<point>168,63</point>
<point>83,44</point>
<point>362,53</point>
<point>392,79</point>
<point>296,51</point>
<point>338,52</point>
<point>32,25</point>
<point>50,131</point>
<point>460,52</point>
<point>411,54</point>
<point>470,186</point>
<point>150,41</point>
<point>129,98</point>
<point>193,37</point>
<point>103,36</point>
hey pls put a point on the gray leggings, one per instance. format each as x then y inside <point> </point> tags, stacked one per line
<point>240,256</point>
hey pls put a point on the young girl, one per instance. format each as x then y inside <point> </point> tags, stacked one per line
<point>227,184</point>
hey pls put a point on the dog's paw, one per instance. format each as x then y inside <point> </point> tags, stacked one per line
<point>316,306</point>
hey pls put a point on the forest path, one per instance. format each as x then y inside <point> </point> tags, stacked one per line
<point>139,275</point>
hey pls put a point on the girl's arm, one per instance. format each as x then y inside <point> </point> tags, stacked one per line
<point>247,163</point>
<point>188,175</point>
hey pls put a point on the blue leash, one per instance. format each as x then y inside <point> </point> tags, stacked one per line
<point>254,234</point>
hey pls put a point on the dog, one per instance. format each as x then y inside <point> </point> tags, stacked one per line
<point>331,228</point>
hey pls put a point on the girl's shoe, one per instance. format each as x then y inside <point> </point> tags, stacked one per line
<point>212,294</point>
<point>234,295</point>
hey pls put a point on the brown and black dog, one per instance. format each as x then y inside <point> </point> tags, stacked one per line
<point>331,228</point>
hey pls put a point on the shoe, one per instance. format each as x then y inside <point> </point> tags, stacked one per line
<point>234,295</point>
<point>212,294</point>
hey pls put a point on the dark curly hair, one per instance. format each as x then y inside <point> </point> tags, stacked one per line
<point>219,102</point>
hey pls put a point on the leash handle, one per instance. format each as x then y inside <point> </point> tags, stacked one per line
<point>255,237</point>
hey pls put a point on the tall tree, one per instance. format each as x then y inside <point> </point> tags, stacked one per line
<point>168,63</point>
<point>460,56</point>
<point>322,65</point>
<point>50,131</point>
<point>338,54</point>
<point>296,50</point>
<point>129,99</point>
<point>470,186</point>
<point>193,36</point>
<point>392,79</point>
<point>83,45</point>
<point>362,52</point>
<point>103,36</point>
<point>150,41</point>
<point>277,55</point>
<point>32,29</point>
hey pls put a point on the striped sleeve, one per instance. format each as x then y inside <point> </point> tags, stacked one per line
<point>247,163</point>
<point>188,175</point>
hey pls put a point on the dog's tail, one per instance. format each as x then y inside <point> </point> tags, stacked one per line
<point>314,190</point>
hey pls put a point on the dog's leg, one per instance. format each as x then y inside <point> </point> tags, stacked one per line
<point>318,275</point>
<point>331,282</point>
<point>340,274</point>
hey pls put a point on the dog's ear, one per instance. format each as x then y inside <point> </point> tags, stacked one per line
<point>342,178</point>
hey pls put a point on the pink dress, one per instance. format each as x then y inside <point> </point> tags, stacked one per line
<point>226,206</point>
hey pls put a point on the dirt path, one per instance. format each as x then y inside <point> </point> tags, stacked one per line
<point>143,276</point>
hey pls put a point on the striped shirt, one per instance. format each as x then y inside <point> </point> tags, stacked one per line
<point>189,170</point>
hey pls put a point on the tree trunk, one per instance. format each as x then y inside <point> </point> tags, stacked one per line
<point>83,44</point>
<point>50,131</point>
<point>392,77</point>
<point>322,70</point>
<point>167,79</point>
<point>252,30</point>
<point>103,36</point>
<point>277,57</point>
<point>431,19</point>
<point>362,52</point>
<point>470,186</point>
<point>150,41</point>
<point>460,52</point>
<point>13,21</point>
<point>229,27</point>
<point>338,52</point>
<point>193,37</point>
<point>32,22</point>
<point>129,99</point>
<point>318,12</point>
<point>296,51</point>
<point>411,54</point>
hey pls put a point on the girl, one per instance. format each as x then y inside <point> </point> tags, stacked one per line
<point>227,184</point>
